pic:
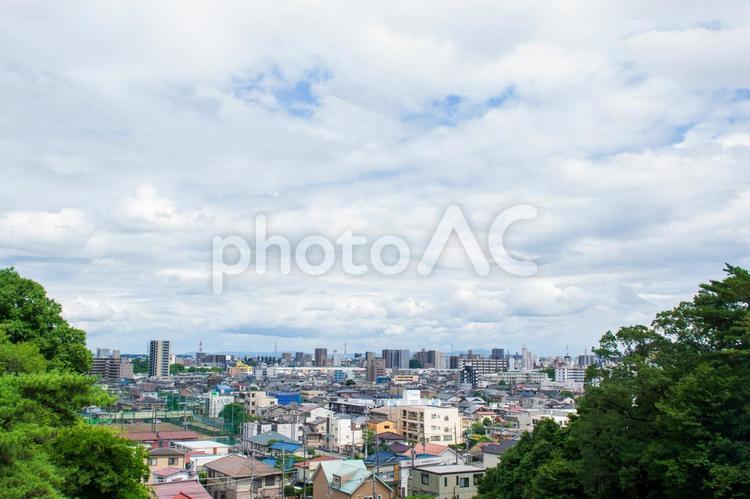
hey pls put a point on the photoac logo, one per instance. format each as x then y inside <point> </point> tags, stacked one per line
<point>452,222</point>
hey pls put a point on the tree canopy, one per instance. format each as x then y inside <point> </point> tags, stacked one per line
<point>45,449</point>
<point>667,414</point>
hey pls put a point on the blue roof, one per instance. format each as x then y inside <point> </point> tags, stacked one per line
<point>270,436</point>
<point>285,446</point>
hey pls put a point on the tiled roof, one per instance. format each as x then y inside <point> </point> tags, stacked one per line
<point>269,436</point>
<point>235,465</point>
<point>352,473</point>
<point>186,489</point>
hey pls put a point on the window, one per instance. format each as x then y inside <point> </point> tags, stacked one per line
<point>270,481</point>
<point>477,477</point>
<point>152,462</point>
<point>463,482</point>
<point>445,481</point>
<point>172,461</point>
<point>425,478</point>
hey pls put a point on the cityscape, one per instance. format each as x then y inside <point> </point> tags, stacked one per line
<point>298,411</point>
<point>374,250</point>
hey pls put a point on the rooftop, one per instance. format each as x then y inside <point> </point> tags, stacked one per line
<point>235,465</point>
<point>199,444</point>
<point>190,489</point>
<point>450,469</point>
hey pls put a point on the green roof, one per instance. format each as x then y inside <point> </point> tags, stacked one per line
<point>353,473</point>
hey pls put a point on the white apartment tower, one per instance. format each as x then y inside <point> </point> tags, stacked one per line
<point>159,356</point>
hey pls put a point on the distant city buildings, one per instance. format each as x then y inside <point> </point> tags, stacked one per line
<point>110,366</point>
<point>159,355</point>
<point>321,357</point>
<point>396,359</point>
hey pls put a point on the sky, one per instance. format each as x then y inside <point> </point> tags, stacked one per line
<point>132,134</point>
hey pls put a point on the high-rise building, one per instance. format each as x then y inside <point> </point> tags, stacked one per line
<point>498,353</point>
<point>374,367</point>
<point>299,358</point>
<point>321,357</point>
<point>469,376</point>
<point>431,359</point>
<point>527,359</point>
<point>396,359</point>
<point>102,353</point>
<point>159,353</point>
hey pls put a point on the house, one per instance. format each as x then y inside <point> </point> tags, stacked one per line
<point>457,481</point>
<point>232,476</point>
<point>164,458</point>
<point>492,453</point>
<point>262,443</point>
<point>442,453</point>
<point>169,474</point>
<point>306,469</point>
<point>348,480</point>
<point>382,426</point>
<point>201,447</point>
<point>191,489</point>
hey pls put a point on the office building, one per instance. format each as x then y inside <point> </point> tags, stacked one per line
<point>321,357</point>
<point>159,353</point>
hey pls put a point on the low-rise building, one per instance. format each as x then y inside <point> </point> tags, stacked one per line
<point>458,481</point>
<point>348,480</point>
<point>238,477</point>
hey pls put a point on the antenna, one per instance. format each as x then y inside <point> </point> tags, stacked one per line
<point>200,346</point>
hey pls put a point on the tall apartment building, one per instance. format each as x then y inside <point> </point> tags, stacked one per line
<point>498,353</point>
<point>374,367</point>
<point>428,424</point>
<point>431,359</point>
<point>586,360</point>
<point>321,357</point>
<point>159,354</point>
<point>396,359</point>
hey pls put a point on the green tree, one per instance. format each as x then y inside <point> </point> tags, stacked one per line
<point>668,414</point>
<point>96,463</point>
<point>27,315</point>
<point>233,415</point>
<point>42,392</point>
<point>176,369</point>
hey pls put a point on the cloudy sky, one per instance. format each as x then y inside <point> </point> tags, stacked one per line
<point>131,135</point>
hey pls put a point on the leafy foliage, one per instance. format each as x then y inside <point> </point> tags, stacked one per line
<point>45,451</point>
<point>669,415</point>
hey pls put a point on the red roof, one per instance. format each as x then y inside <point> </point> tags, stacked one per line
<point>431,449</point>
<point>186,489</point>
<point>141,436</point>
<point>169,470</point>
<point>178,435</point>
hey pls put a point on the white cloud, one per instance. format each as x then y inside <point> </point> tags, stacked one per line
<point>133,134</point>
